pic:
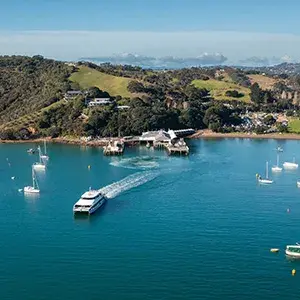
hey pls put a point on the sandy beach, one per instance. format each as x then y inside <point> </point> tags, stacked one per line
<point>208,134</point>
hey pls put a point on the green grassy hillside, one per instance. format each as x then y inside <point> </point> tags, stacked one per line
<point>294,126</point>
<point>114,85</point>
<point>218,89</point>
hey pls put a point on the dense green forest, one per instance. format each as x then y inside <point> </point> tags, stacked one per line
<point>32,100</point>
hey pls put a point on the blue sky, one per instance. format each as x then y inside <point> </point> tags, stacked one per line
<point>237,29</point>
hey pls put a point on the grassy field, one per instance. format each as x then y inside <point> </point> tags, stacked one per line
<point>114,85</point>
<point>265,82</point>
<point>294,125</point>
<point>218,88</point>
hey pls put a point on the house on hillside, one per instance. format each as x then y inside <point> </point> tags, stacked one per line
<point>123,107</point>
<point>72,94</point>
<point>99,102</point>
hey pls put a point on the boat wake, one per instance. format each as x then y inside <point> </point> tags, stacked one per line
<point>127,183</point>
<point>136,163</point>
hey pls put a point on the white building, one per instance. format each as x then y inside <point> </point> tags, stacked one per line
<point>99,102</point>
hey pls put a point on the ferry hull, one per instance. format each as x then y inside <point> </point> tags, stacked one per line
<point>91,210</point>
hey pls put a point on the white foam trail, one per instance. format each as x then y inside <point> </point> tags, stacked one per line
<point>127,183</point>
<point>137,163</point>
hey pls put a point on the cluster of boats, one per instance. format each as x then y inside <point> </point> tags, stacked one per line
<point>291,250</point>
<point>88,203</point>
<point>277,169</point>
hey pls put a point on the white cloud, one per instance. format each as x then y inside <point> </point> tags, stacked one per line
<point>74,44</point>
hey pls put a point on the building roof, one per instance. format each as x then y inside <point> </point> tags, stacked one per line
<point>74,92</point>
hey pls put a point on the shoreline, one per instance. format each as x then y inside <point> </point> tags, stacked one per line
<point>200,134</point>
<point>208,134</point>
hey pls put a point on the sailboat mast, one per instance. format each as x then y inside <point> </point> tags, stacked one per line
<point>33,178</point>
<point>40,154</point>
<point>277,160</point>
<point>267,175</point>
<point>45,147</point>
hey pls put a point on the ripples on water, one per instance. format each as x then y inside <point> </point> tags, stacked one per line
<point>136,163</point>
<point>196,227</point>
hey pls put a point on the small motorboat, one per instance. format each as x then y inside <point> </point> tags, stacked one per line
<point>279,149</point>
<point>298,184</point>
<point>31,151</point>
<point>293,250</point>
<point>274,250</point>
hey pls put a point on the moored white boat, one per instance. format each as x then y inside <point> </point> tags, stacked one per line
<point>44,156</point>
<point>298,184</point>
<point>39,166</point>
<point>265,180</point>
<point>293,250</point>
<point>34,189</point>
<point>89,202</point>
<point>290,165</point>
<point>277,169</point>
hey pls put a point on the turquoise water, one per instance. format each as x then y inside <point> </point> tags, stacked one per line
<point>176,228</point>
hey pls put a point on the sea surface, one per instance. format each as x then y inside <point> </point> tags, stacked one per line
<point>196,227</point>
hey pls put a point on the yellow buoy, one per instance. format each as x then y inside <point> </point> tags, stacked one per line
<point>274,250</point>
<point>293,272</point>
<point>89,166</point>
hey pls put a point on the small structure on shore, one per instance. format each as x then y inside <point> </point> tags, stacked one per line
<point>114,148</point>
<point>166,139</point>
<point>178,147</point>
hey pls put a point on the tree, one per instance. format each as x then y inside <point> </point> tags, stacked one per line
<point>269,120</point>
<point>255,93</point>
<point>135,87</point>
<point>95,92</point>
<point>234,94</point>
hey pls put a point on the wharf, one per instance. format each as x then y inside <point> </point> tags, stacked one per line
<point>178,148</point>
<point>115,148</point>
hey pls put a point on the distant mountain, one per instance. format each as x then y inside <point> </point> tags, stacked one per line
<point>167,62</point>
<point>284,68</point>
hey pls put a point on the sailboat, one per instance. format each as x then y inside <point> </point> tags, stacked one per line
<point>39,165</point>
<point>290,165</point>
<point>277,168</point>
<point>45,157</point>
<point>34,189</point>
<point>266,180</point>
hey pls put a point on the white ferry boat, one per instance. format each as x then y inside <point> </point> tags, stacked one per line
<point>89,202</point>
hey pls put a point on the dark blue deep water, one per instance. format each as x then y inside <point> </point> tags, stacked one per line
<point>196,227</point>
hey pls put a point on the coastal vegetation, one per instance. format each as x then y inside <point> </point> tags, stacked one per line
<point>33,102</point>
